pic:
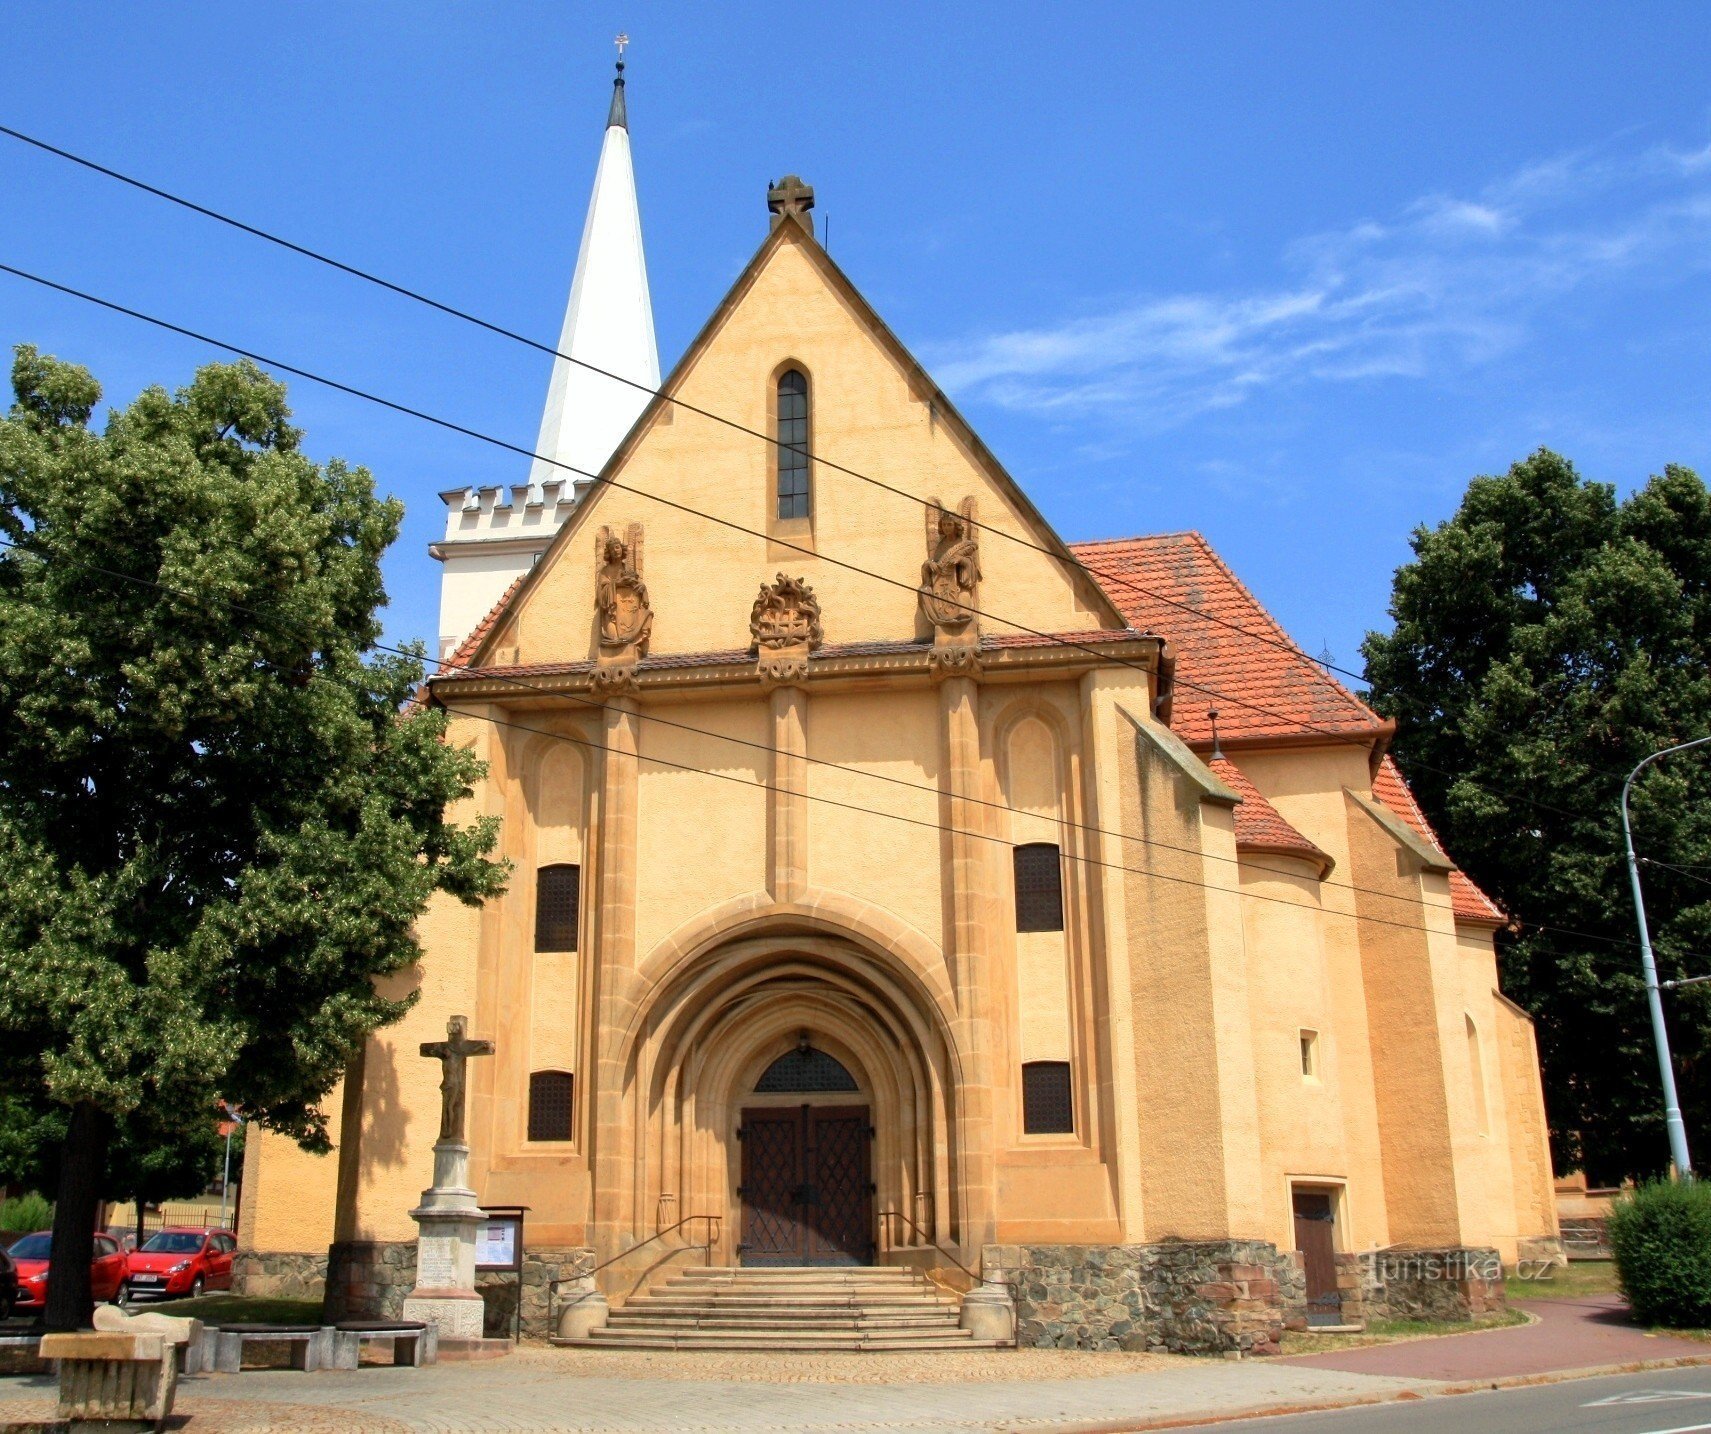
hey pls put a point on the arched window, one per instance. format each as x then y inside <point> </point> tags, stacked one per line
<point>551,1110</point>
<point>1039,887</point>
<point>792,444</point>
<point>805,1069</point>
<point>1046,1105</point>
<point>558,902</point>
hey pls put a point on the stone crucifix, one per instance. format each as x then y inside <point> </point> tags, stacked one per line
<point>453,1054</point>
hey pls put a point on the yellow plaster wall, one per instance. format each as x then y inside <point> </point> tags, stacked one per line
<point>701,837</point>
<point>702,579</point>
<point>1417,1134</point>
<point>893,864</point>
<point>1179,1101</point>
<point>1305,1126</point>
<point>289,1195</point>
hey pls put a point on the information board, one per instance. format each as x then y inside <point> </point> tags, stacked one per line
<point>497,1243</point>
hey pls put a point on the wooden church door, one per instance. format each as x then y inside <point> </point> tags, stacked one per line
<point>806,1191</point>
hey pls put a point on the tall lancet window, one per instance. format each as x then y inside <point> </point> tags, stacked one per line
<point>792,444</point>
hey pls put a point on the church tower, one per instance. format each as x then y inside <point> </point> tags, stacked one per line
<point>493,535</point>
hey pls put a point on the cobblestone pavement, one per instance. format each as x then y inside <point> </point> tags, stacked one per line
<point>564,1390</point>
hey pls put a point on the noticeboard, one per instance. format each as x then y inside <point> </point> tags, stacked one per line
<point>499,1241</point>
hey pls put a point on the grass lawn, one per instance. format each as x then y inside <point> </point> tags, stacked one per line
<point>1574,1281</point>
<point>1388,1331</point>
<point>235,1309</point>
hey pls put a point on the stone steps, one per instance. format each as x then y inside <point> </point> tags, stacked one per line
<point>789,1309</point>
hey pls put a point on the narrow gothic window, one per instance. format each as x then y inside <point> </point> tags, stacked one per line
<point>792,444</point>
<point>550,1105</point>
<point>1039,887</point>
<point>558,892</point>
<point>1046,1107</point>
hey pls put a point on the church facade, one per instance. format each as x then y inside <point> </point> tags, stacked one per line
<point>896,883</point>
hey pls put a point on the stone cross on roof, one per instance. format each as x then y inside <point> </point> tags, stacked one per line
<point>791,196</point>
<point>453,1055</point>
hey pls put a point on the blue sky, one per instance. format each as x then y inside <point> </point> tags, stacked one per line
<point>1286,274</point>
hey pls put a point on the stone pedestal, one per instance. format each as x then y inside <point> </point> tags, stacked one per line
<point>582,1308</point>
<point>988,1310</point>
<point>447,1218</point>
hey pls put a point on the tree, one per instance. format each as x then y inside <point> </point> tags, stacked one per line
<point>1546,638</point>
<point>150,1160</point>
<point>219,814</point>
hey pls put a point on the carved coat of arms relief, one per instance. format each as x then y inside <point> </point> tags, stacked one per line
<point>785,627</point>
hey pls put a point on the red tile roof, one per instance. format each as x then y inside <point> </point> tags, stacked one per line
<point>1230,652</point>
<point>1469,902</point>
<point>1259,825</point>
<point>1262,684</point>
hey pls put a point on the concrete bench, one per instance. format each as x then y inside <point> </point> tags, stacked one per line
<point>186,1336</point>
<point>18,1353</point>
<point>413,1343</point>
<point>122,1380</point>
<point>308,1345</point>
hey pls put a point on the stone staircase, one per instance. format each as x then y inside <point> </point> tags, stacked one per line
<point>840,1309</point>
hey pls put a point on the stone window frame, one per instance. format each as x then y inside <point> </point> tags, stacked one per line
<point>796,531</point>
<point>1311,1056</point>
<point>569,1137</point>
<point>1034,1136</point>
<point>575,925</point>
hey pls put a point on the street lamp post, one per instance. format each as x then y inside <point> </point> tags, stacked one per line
<point>226,1179</point>
<point>1666,1068</point>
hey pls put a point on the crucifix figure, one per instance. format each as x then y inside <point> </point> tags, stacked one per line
<point>453,1054</point>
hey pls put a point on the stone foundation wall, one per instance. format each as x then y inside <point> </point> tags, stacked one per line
<point>1460,1282</point>
<point>540,1268</point>
<point>368,1279</point>
<point>279,1274</point>
<point>1225,1297</point>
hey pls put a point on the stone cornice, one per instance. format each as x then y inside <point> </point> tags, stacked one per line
<point>854,664</point>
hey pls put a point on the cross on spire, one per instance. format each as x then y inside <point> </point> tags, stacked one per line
<point>791,196</point>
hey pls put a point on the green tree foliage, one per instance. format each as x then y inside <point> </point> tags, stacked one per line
<point>218,816</point>
<point>1546,638</point>
<point>1661,1238</point>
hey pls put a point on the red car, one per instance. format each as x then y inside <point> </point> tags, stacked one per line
<point>31,1256</point>
<point>179,1261</point>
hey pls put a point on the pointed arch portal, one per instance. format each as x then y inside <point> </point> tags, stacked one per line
<point>796,1084</point>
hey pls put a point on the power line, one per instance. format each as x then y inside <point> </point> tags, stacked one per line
<point>1063,557</point>
<point>1054,639</point>
<point>156,585</point>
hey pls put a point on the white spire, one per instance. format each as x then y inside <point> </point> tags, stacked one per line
<point>608,323</point>
<point>495,534</point>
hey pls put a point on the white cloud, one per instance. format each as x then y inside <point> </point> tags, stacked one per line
<point>1447,283</point>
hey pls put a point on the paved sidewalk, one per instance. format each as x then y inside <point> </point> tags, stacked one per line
<point>534,1390</point>
<point>1587,1333</point>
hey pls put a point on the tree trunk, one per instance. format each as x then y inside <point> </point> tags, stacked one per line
<point>82,1165</point>
<point>141,1212</point>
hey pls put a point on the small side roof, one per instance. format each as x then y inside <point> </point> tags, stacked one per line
<point>1260,827</point>
<point>1230,652</point>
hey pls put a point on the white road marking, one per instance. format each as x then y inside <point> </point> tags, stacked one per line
<point>1649,1396</point>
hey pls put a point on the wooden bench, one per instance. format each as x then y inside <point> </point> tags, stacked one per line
<point>413,1343</point>
<point>121,1380</point>
<point>307,1344</point>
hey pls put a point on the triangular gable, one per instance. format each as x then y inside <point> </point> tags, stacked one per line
<point>1016,576</point>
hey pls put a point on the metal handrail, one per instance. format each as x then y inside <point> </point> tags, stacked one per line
<point>978,1279</point>
<point>713,1232</point>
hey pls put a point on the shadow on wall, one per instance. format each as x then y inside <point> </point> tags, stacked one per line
<point>386,1118</point>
